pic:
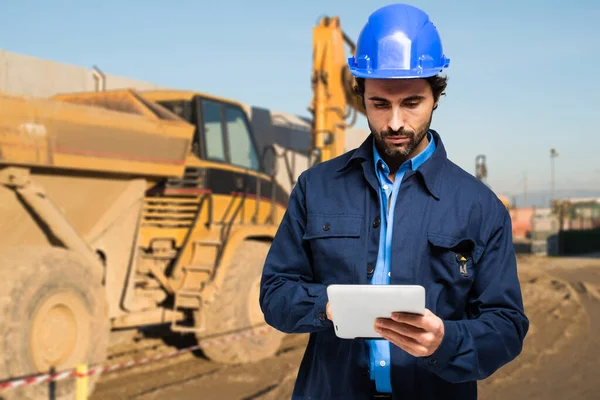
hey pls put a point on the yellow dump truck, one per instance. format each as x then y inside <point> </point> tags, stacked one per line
<point>121,209</point>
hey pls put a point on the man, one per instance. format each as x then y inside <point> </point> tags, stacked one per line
<point>397,211</point>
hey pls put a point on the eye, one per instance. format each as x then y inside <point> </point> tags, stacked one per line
<point>411,104</point>
<point>381,105</point>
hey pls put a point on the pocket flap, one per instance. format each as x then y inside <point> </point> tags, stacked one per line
<point>456,244</point>
<point>332,225</point>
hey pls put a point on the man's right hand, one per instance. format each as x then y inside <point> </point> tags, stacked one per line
<point>328,309</point>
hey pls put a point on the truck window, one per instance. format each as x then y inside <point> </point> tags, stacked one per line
<point>213,130</point>
<point>186,110</point>
<point>241,146</point>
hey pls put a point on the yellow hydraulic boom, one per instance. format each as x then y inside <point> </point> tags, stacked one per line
<point>334,101</point>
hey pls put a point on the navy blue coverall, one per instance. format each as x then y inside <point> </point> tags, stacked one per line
<point>330,234</point>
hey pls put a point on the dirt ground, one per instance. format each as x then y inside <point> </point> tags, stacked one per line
<point>560,359</point>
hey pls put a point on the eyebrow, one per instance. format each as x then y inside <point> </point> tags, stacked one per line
<point>409,98</point>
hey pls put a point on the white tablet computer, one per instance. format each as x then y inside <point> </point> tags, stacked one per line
<point>354,308</point>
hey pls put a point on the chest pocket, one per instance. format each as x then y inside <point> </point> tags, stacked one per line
<point>335,245</point>
<point>453,266</point>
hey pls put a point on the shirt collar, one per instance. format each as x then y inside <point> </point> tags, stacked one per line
<point>431,169</point>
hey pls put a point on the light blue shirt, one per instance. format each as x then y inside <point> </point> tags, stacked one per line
<point>380,349</point>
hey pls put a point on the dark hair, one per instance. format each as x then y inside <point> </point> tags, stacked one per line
<point>438,86</point>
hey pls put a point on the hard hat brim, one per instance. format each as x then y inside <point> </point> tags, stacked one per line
<point>398,73</point>
<point>395,74</point>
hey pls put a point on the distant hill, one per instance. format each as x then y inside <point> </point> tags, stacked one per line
<point>542,198</point>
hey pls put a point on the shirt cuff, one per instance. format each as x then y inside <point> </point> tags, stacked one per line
<point>320,318</point>
<point>447,349</point>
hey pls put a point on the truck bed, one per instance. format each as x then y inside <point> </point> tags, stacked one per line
<point>112,132</point>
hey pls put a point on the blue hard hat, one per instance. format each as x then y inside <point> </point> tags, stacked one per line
<point>398,41</point>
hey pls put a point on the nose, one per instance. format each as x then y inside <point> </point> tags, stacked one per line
<point>396,120</point>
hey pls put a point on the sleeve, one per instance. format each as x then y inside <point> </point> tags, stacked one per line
<point>290,299</point>
<point>474,348</point>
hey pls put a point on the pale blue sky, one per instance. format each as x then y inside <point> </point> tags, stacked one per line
<point>523,74</point>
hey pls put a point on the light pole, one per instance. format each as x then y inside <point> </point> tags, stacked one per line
<point>481,168</point>
<point>553,155</point>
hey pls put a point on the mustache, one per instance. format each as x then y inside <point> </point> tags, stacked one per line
<point>397,133</point>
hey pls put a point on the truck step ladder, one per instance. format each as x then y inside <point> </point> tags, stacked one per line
<point>189,296</point>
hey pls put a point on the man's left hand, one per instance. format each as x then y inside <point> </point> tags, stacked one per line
<point>418,335</point>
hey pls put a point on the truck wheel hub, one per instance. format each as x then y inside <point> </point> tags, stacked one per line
<point>60,332</point>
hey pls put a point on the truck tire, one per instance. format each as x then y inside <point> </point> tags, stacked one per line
<point>236,308</point>
<point>53,313</point>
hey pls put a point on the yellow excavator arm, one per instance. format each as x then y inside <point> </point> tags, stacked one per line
<point>333,102</point>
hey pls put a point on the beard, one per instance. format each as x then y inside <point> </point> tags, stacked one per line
<point>415,137</point>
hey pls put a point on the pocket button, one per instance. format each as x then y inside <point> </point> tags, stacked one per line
<point>370,268</point>
<point>377,222</point>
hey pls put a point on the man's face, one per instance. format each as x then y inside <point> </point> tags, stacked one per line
<point>399,112</point>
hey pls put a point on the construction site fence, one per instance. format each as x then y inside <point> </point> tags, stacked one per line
<point>83,371</point>
<point>577,242</point>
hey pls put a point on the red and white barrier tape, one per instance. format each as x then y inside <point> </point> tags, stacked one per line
<point>101,369</point>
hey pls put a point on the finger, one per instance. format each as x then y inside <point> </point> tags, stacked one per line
<point>419,335</point>
<point>398,337</point>
<point>405,343</point>
<point>426,322</point>
<point>402,328</point>
<point>410,319</point>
